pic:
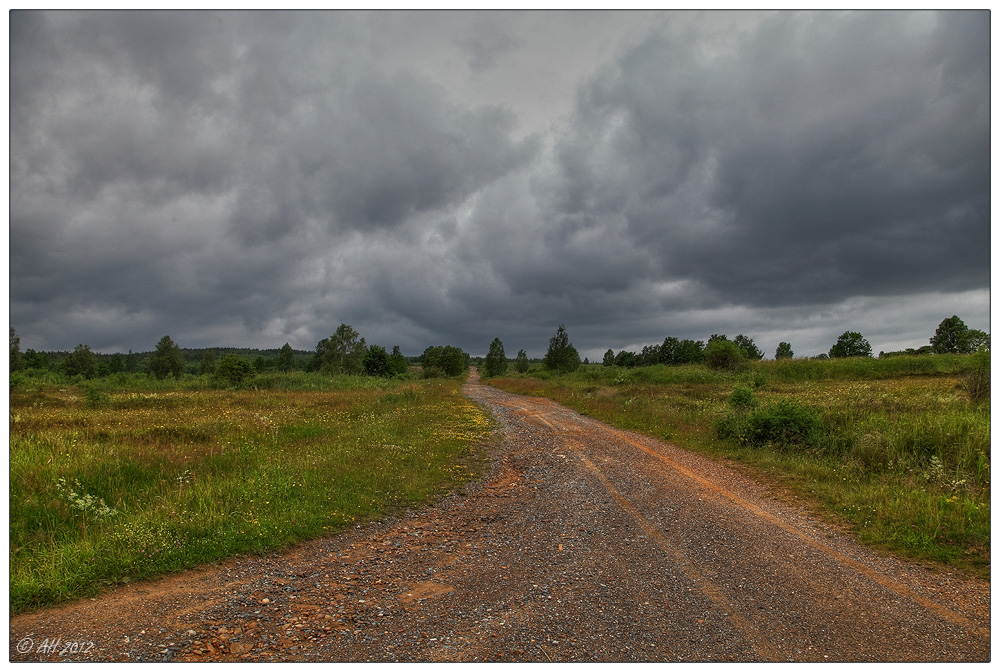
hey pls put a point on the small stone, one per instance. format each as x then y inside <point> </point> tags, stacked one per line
<point>238,648</point>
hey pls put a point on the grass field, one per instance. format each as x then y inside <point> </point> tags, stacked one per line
<point>127,478</point>
<point>894,449</point>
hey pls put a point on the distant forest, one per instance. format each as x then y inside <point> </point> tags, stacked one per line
<point>347,352</point>
<point>138,362</point>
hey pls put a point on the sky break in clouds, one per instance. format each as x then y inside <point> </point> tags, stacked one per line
<point>255,178</point>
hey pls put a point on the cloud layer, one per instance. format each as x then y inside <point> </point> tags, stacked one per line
<point>245,178</point>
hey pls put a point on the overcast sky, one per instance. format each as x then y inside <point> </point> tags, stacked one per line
<point>249,179</point>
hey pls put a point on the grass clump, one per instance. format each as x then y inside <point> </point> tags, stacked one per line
<point>976,377</point>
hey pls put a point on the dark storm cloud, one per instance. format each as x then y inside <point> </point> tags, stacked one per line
<point>822,158</point>
<point>194,164</point>
<point>251,178</point>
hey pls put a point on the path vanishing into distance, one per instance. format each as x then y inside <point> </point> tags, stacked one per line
<point>584,543</point>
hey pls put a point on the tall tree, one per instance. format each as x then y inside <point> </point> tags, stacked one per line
<point>376,361</point>
<point>978,339</point>
<point>561,355</point>
<point>521,362</point>
<point>81,362</point>
<point>447,359</point>
<point>669,350</point>
<point>131,361</point>
<point>626,359</point>
<point>208,360</point>
<point>430,361</point>
<point>851,344</point>
<point>286,358</point>
<point>116,363</point>
<point>35,360</point>
<point>16,360</point>
<point>690,351</point>
<point>649,356</point>
<point>166,359</point>
<point>495,363</point>
<point>784,351</point>
<point>453,360</point>
<point>343,352</point>
<point>398,363</point>
<point>951,336</point>
<point>749,348</point>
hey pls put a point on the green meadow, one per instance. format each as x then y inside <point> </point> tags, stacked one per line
<point>126,478</point>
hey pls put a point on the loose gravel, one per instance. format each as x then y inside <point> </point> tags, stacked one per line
<point>584,543</point>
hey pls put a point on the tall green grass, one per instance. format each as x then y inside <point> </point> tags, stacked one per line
<point>863,368</point>
<point>894,448</point>
<point>116,482</point>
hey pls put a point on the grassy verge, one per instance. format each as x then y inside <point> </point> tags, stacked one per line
<point>893,449</point>
<point>126,479</point>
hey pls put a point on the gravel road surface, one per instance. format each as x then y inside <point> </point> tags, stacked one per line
<point>584,543</point>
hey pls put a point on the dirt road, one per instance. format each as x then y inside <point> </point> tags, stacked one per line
<point>585,543</point>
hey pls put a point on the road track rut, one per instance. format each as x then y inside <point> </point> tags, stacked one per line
<point>585,543</point>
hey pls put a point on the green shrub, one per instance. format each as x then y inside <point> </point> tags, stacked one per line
<point>723,354</point>
<point>787,423</point>
<point>17,380</point>
<point>233,371</point>
<point>521,364</point>
<point>95,398</point>
<point>742,397</point>
<point>432,372</point>
<point>376,362</point>
<point>732,426</point>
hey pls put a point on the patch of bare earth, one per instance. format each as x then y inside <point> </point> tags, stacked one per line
<point>585,543</point>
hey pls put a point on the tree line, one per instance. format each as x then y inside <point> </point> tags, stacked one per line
<point>346,352</point>
<point>166,360</point>
<point>951,336</point>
